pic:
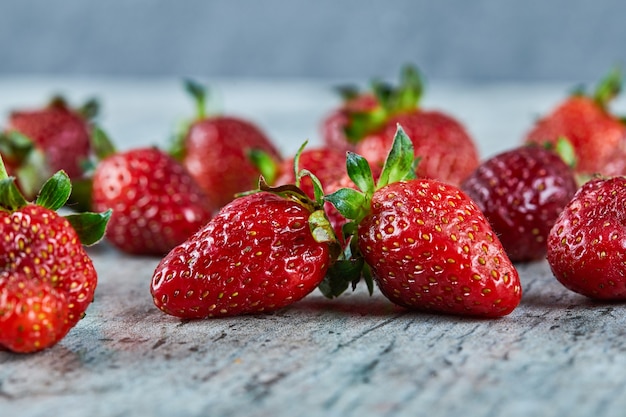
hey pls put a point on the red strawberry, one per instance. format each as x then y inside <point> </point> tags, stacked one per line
<point>598,136</point>
<point>156,203</point>
<point>260,253</point>
<point>47,280</point>
<point>426,243</point>
<point>335,124</point>
<point>40,142</point>
<point>522,192</point>
<point>446,149</point>
<point>586,244</point>
<point>216,151</point>
<point>327,164</point>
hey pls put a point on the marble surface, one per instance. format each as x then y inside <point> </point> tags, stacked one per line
<point>557,354</point>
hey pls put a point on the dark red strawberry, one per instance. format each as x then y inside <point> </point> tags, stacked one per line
<point>156,203</point>
<point>335,124</point>
<point>216,151</point>
<point>586,244</point>
<point>39,142</point>
<point>597,135</point>
<point>426,243</point>
<point>327,164</point>
<point>522,191</point>
<point>47,280</point>
<point>261,252</point>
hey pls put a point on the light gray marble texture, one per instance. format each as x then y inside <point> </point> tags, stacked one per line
<point>557,354</point>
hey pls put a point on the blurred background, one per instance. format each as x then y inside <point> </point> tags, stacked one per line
<point>475,41</point>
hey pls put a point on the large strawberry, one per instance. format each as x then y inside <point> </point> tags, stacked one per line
<point>426,243</point>
<point>597,135</point>
<point>47,280</point>
<point>216,151</point>
<point>37,143</point>
<point>261,252</point>
<point>447,151</point>
<point>586,244</point>
<point>522,191</point>
<point>156,203</point>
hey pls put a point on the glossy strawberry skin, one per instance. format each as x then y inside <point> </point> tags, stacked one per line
<point>522,192</point>
<point>39,245</point>
<point>61,133</point>
<point>446,150</point>
<point>430,248</point>
<point>216,156</point>
<point>598,138</point>
<point>256,255</point>
<point>327,164</point>
<point>586,244</point>
<point>156,203</point>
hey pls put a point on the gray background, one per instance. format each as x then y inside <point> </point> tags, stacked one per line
<point>476,41</point>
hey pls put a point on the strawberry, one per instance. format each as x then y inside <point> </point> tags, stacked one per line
<point>522,191</point>
<point>446,149</point>
<point>426,243</point>
<point>47,279</point>
<point>39,142</point>
<point>261,252</point>
<point>216,151</point>
<point>335,124</point>
<point>585,245</point>
<point>327,164</point>
<point>598,136</point>
<point>157,204</point>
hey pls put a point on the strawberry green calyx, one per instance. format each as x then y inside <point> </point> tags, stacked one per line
<point>53,195</point>
<point>391,101</point>
<point>199,93</point>
<point>355,205</point>
<point>267,166</point>
<point>608,88</point>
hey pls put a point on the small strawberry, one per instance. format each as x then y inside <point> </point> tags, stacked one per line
<point>216,151</point>
<point>446,149</point>
<point>261,252</point>
<point>47,280</point>
<point>426,243</point>
<point>37,143</point>
<point>586,244</point>
<point>598,136</point>
<point>156,203</point>
<point>335,124</point>
<point>327,164</point>
<point>522,191</point>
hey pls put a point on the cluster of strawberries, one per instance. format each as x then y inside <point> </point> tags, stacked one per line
<point>397,196</point>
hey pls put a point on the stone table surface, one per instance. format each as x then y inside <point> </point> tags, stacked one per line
<point>557,354</point>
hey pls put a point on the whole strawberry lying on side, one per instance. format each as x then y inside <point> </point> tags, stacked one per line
<point>586,244</point>
<point>37,143</point>
<point>261,252</point>
<point>447,151</point>
<point>598,136</point>
<point>216,151</point>
<point>156,203</point>
<point>426,243</point>
<point>47,280</point>
<point>522,191</point>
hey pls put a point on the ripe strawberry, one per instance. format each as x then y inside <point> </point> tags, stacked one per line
<point>327,164</point>
<point>522,191</point>
<point>426,243</point>
<point>598,136</point>
<point>47,280</point>
<point>446,150</point>
<point>336,123</point>
<point>261,252</point>
<point>215,150</point>
<point>156,203</point>
<point>39,142</point>
<point>585,245</point>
